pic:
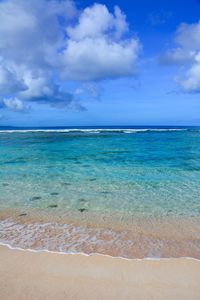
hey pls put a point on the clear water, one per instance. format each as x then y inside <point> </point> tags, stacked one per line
<point>133,172</point>
<point>153,172</point>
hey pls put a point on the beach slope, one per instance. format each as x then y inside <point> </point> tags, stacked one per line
<point>30,275</point>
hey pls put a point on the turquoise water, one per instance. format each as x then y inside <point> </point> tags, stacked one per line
<point>142,172</point>
<point>132,192</point>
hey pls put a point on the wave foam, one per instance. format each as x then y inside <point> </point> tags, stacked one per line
<point>92,131</point>
<point>70,239</point>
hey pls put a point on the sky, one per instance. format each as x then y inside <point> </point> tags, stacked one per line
<point>79,63</point>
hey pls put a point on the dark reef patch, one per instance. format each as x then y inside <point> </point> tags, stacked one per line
<point>82,210</point>
<point>35,198</point>
<point>53,206</point>
<point>105,192</point>
<point>92,179</point>
<point>82,200</point>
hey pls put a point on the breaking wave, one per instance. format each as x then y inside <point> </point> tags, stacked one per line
<point>93,131</point>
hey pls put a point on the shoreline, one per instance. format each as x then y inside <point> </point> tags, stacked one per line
<point>142,240</point>
<point>96,254</point>
<point>28,275</point>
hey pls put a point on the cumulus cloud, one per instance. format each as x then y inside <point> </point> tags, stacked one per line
<point>96,21</point>
<point>9,81</point>
<point>98,48</point>
<point>30,36</point>
<point>40,50</point>
<point>191,82</point>
<point>15,104</point>
<point>187,55</point>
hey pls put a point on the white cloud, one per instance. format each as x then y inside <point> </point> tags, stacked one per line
<point>38,86</point>
<point>187,55</point>
<point>15,104</point>
<point>96,21</point>
<point>40,50</point>
<point>191,82</point>
<point>96,59</point>
<point>177,56</point>
<point>97,49</point>
<point>188,36</point>
<point>30,36</point>
<point>9,81</point>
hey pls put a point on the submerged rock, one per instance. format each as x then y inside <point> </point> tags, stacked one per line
<point>53,206</point>
<point>35,198</point>
<point>82,200</point>
<point>82,209</point>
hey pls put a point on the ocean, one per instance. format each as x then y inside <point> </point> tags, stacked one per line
<point>130,191</point>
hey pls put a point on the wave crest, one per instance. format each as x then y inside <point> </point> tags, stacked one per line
<point>96,131</point>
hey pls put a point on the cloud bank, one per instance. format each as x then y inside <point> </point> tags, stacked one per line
<point>187,55</point>
<point>45,44</point>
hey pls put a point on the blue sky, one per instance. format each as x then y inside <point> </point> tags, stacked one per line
<point>104,63</point>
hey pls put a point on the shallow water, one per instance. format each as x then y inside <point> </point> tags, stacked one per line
<point>137,174</point>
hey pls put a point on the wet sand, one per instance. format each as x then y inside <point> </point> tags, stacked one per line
<point>41,275</point>
<point>118,235</point>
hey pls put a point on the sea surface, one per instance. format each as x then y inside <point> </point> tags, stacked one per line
<point>123,191</point>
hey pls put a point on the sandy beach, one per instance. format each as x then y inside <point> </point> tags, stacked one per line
<point>42,275</point>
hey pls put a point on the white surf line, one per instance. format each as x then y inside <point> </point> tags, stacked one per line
<point>98,254</point>
<point>97,130</point>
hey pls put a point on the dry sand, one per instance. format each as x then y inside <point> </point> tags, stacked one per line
<point>28,275</point>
